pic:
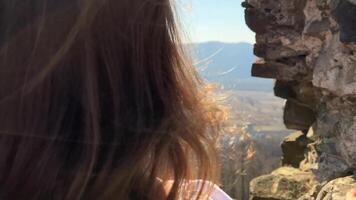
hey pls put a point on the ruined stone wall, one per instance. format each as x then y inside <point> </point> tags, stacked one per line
<point>309,47</point>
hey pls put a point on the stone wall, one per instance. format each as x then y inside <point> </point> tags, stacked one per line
<point>309,47</point>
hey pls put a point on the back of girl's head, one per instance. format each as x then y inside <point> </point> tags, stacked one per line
<point>98,101</point>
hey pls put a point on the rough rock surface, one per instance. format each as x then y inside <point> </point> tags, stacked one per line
<point>285,183</point>
<point>336,189</point>
<point>309,47</point>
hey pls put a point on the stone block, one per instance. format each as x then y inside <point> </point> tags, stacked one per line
<point>298,116</point>
<point>285,183</point>
<point>264,70</point>
<point>294,148</point>
<point>284,89</point>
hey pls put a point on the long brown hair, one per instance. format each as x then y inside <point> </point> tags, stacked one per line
<point>99,101</point>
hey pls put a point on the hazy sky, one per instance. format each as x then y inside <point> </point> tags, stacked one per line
<point>214,20</point>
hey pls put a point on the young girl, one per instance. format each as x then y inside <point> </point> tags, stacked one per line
<point>99,101</point>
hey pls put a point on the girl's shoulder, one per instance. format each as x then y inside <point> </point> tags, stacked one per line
<point>216,194</point>
<point>219,194</point>
<point>195,185</point>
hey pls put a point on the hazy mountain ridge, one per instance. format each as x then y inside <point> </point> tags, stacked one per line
<point>228,64</point>
<point>251,100</point>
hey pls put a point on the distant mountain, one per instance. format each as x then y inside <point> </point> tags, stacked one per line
<point>228,64</point>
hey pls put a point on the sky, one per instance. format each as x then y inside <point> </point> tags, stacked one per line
<point>213,20</point>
